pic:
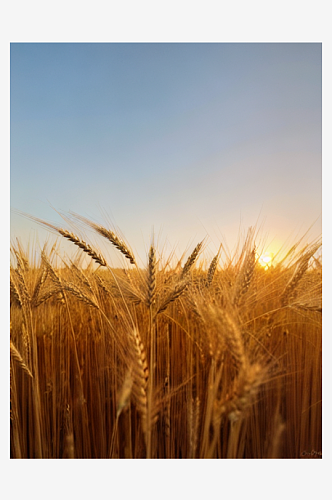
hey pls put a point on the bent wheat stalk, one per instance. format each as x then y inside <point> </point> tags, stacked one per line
<point>71,237</point>
<point>83,246</point>
<point>74,290</point>
<point>109,235</point>
<point>18,359</point>
<point>298,274</point>
<point>14,294</point>
<point>173,295</point>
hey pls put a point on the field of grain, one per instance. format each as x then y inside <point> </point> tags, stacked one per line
<point>197,359</point>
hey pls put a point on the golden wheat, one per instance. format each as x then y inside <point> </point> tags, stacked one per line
<point>221,364</point>
<point>18,359</point>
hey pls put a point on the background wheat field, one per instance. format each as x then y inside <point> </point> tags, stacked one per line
<point>181,359</point>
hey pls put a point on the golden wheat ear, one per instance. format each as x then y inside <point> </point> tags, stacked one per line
<point>16,356</point>
<point>83,245</point>
<point>97,257</point>
<point>300,270</point>
<point>174,294</point>
<point>109,235</point>
<point>212,268</point>
<point>245,275</point>
<point>139,372</point>
<point>15,297</point>
<point>152,267</point>
<point>191,260</point>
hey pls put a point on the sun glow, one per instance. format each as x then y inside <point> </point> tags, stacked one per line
<point>265,260</point>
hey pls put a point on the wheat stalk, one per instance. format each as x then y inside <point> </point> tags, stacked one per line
<point>110,236</point>
<point>151,295</point>
<point>80,274</point>
<point>194,417</point>
<point>113,238</point>
<point>83,246</point>
<point>22,261</point>
<point>244,277</point>
<point>125,393</point>
<point>306,306</point>
<point>14,293</point>
<point>41,280</point>
<point>247,386</point>
<point>300,270</point>
<point>74,290</point>
<point>173,295</point>
<point>102,284</point>
<point>191,260</point>
<point>212,269</point>
<point>18,359</point>
<point>26,344</point>
<point>45,297</point>
<point>25,296</point>
<point>234,338</point>
<point>139,373</point>
<point>71,237</point>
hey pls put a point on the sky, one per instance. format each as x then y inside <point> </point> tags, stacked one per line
<point>182,141</point>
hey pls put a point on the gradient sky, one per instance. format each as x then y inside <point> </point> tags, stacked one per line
<point>186,140</point>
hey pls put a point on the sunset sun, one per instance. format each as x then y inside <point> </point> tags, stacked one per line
<point>265,260</point>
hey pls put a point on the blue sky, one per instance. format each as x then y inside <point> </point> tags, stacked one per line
<point>189,140</point>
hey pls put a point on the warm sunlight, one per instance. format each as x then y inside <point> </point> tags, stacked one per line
<point>265,260</point>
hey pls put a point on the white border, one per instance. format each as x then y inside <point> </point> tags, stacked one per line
<point>160,21</point>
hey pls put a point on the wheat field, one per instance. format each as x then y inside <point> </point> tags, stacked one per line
<point>193,359</point>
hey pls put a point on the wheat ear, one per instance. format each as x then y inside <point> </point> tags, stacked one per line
<point>41,280</point>
<point>244,277</point>
<point>173,295</point>
<point>14,293</point>
<point>212,269</point>
<point>43,298</point>
<point>21,280</point>
<point>247,386</point>
<point>74,290</point>
<point>18,359</point>
<point>151,296</point>
<point>191,260</point>
<point>119,244</point>
<point>123,399</point>
<point>110,236</point>
<point>83,245</point>
<point>140,374</point>
<point>228,331</point>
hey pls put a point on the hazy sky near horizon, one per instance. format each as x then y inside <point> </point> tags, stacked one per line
<point>186,140</point>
